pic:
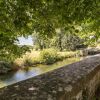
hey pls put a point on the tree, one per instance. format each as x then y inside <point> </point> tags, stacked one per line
<point>23,17</point>
<point>40,41</point>
<point>62,40</point>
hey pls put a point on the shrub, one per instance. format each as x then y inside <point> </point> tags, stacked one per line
<point>48,56</point>
<point>28,62</point>
<point>69,54</point>
<point>4,67</point>
<point>36,60</point>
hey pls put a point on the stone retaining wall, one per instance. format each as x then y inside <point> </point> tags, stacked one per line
<point>77,81</point>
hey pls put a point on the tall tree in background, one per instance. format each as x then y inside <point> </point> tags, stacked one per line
<point>62,40</point>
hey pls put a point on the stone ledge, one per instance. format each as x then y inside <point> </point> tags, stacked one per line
<point>71,82</point>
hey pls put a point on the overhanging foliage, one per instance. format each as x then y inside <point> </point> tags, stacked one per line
<point>22,17</point>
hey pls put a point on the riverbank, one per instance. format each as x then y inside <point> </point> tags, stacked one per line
<point>23,74</point>
<point>45,57</point>
<point>34,58</point>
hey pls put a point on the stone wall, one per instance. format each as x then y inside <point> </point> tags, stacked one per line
<point>77,81</point>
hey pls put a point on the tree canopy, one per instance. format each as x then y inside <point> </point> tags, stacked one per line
<point>23,17</point>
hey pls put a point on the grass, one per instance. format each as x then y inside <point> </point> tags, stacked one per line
<point>46,56</point>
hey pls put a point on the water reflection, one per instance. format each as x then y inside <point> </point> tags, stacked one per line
<point>33,71</point>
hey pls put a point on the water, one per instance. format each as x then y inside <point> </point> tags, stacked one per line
<point>20,75</point>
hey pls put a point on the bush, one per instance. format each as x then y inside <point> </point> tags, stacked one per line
<point>48,56</point>
<point>4,67</point>
<point>28,62</point>
<point>69,54</point>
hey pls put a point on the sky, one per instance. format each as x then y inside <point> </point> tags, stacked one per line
<point>25,41</point>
